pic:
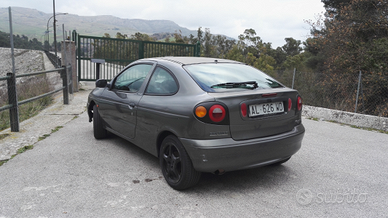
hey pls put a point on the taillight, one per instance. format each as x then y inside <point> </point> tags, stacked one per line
<point>289,104</point>
<point>217,113</point>
<point>244,110</point>
<point>200,111</point>
<point>209,112</point>
<point>299,103</point>
<point>269,95</point>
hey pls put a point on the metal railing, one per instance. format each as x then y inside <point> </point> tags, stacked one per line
<point>13,103</point>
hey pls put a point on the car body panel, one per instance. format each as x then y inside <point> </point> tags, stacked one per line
<point>241,142</point>
<point>259,126</point>
<point>119,111</point>
<point>229,155</point>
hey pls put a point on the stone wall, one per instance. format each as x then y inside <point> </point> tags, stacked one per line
<point>359,120</point>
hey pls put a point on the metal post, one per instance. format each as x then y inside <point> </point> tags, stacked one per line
<point>65,85</point>
<point>13,101</point>
<point>70,84</point>
<point>358,92</point>
<point>78,44</point>
<point>98,71</point>
<point>141,50</point>
<point>293,79</point>
<point>11,83</point>
<point>198,49</point>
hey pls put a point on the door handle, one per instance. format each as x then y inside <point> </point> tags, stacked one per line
<point>131,106</point>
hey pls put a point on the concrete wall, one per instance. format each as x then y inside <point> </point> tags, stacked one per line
<point>360,120</point>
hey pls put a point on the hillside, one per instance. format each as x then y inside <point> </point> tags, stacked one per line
<point>33,24</point>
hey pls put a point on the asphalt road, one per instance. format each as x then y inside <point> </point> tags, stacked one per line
<point>339,172</point>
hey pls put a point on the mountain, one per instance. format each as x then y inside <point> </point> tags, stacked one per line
<point>33,24</point>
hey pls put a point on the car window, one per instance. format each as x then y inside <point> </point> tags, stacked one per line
<point>161,83</point>
<point>132,78</point>
<point>220,77</point>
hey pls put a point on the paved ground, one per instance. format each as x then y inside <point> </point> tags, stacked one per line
<point>339,172</point>
<point>56,115</point>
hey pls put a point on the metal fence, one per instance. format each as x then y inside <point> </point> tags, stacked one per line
<point>13,101</point>
<point>118,53</point>
<point>360,92</point>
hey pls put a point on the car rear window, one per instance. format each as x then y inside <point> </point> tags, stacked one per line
<point>227,76</point>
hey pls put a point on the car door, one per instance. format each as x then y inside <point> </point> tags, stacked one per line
<point>119,106</point>
<point>156,108</point>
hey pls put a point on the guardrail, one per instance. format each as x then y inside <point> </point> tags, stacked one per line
<point>13,103</point>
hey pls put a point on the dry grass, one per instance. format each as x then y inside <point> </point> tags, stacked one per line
<point>27,87</point>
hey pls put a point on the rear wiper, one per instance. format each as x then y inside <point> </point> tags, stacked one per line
<point>245,85</point>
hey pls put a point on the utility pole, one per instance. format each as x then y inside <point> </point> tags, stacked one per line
<point>55,31</point>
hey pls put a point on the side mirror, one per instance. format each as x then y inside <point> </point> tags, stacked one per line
<point>101,83</point>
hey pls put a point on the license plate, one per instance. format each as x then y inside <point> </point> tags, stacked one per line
<point>266,108</point>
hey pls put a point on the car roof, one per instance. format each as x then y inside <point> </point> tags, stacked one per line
<point>195,60</point>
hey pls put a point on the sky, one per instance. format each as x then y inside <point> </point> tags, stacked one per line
<point>273,20</point>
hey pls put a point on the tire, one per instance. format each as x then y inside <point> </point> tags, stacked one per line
<point>281,162</point>
<point>98,125</point>
<point>176,164</point>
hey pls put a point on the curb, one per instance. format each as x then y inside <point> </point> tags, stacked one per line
<point>359,120</point>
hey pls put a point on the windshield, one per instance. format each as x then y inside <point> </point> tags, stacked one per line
<point>220,77</point>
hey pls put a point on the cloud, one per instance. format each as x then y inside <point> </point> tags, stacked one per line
<point>273,20</point>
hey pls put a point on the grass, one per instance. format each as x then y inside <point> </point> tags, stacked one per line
<point>56,129</point>
<point>19,151</point>
<point>43,137</point>
<point>25,148</point>
<point>26,111</point>
<point>30,87</point>
<point>3,162</point>
<point>2,136</point>
<point>52,131</point>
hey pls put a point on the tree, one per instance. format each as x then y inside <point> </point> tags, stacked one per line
<point>292,47</point>
<point>141,37</point>
<point>179,38</point>
<point>251,50</point>
<point>20,42</point>
<point>200,35</point>
<point>334,5</point>
<point>121,36</point>
<point>353,38</point>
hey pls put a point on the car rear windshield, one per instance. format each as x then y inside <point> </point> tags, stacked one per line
<point>227,76</point>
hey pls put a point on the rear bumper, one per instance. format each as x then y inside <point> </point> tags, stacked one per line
<point>228,154</point>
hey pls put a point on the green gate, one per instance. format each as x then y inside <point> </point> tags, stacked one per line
<point>117,53</point>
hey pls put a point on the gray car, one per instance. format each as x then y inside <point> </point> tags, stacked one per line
<point>199,115</point>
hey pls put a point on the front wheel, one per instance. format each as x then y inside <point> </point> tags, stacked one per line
<point>98,125</point>
<point>176,164</point>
